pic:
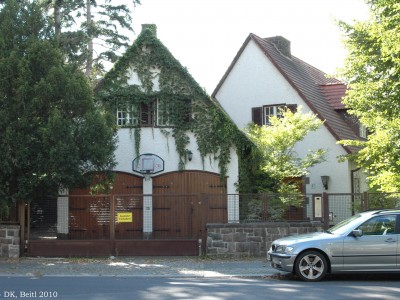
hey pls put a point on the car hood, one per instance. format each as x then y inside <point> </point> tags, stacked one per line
<point>290,240</point>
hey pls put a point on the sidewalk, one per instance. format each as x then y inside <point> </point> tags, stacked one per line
<point>137,266</point>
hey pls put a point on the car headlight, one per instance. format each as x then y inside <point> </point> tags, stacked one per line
<point>284,249</point>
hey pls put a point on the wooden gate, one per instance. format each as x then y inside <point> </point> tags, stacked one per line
<point>182,204</point>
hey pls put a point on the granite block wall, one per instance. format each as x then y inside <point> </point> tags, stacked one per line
<point>9,241</point>
<point>252,239</point>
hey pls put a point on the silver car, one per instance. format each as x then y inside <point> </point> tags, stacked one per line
<point>366,242</point>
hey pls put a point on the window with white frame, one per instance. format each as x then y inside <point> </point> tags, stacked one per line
<point>163,118</point>
<point>152,113</point>
<point>127,115</point>
<point>271,111</point>
<point>262,115</point>
<point>362,130</point>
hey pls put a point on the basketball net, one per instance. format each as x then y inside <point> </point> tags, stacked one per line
<point>146,176</point>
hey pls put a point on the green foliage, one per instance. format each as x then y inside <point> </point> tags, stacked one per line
<point>372,71</point>
<point>279,162</point>
<point>253,179</point>
<point>52,132</point>
<point>180,96</point>
<point>277,141</point>
<point>81,24</point>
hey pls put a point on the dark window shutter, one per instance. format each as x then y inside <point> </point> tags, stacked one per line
<point>188,112</point>
<point>256,117</point>
<point>146,114</point>
<point>292,107</point>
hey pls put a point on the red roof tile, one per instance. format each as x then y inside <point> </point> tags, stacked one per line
<point>334,94</point>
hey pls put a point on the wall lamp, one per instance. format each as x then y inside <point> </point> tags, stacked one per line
<point>325,180</point>
<point>189,155</point>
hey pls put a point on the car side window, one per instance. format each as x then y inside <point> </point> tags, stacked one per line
<point>380,225</point>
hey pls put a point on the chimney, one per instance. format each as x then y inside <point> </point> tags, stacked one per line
<point>282,44</point>
<point>151,27</point>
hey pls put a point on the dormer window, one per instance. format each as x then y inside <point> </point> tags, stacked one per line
<point>362,131</point>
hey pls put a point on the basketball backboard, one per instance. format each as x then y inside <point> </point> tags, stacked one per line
<point>148,163</point>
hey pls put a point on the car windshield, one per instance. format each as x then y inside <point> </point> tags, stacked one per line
<point>344,226</point>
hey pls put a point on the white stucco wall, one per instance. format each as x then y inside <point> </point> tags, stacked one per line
<point>155,142</point>
<point>253,82</point>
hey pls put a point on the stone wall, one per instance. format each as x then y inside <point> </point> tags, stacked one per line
<point>9,241</point>
<point>252,239</point>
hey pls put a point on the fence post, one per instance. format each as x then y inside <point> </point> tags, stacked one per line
<point>325,210</point>
<point>21,214</point>
<point>264,201</point>
<point>365,204</point>
<point>112,224</point>
<point>202,236</point>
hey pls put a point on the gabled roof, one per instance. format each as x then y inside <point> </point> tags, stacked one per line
<point>320,93</point>
<point>159,57</point>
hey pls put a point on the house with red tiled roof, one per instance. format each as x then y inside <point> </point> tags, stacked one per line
<point>265,76</point>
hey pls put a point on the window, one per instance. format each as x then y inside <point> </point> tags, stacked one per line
<point>355,124</point>
<point>156,113</point>
<point>163,118</point>
<point>362,130</point>
<point>271,111</point>
<point>381,225</point>
<point>262,115</point>
<point>146,114</point>
<point>127,115</point>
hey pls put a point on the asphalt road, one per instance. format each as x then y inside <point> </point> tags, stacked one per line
<point>97,287</point>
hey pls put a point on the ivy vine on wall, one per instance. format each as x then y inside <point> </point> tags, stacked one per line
<point>186,105</point>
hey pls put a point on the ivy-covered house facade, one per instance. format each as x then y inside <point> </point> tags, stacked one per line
<point>160,109</point>
<point>168,127</point>
<point>176,161</point>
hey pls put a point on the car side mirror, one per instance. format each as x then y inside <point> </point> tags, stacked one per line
<point>357,232</point>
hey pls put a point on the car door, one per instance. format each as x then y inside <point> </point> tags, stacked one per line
<point>376,249</point>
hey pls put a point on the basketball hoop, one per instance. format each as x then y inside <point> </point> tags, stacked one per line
<point>146,176</point>
<point>147,165</point>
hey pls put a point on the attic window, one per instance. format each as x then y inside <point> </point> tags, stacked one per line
<point>135,114</point>
<point>262,115</point>
<point>155,113</point>
<point>127,115</point>
<point>163,118</point>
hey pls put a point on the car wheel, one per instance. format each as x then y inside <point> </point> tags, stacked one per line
<point>311,266</point>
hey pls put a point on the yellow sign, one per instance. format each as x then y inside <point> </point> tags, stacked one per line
<point>125,217</point>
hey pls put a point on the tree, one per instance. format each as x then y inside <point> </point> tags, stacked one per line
<point>277,141</point>
<point>279,160</point>
<point>80,25</point>
<point>372,72</point>
<point>51,130</point>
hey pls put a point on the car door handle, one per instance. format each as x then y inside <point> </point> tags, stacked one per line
<point>390,240</point>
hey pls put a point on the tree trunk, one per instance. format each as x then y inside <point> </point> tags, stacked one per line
<point>57,18</point>
<point>89,21</point>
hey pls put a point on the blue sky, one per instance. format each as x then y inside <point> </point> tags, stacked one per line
<point>205,35</point>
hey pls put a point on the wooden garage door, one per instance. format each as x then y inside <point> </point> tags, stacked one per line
<point>89,216</point>
<point>184,202</point>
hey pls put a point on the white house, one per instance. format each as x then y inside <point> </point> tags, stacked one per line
<point>265,75</point>
<point>150,71</point>
<point>171,152</point>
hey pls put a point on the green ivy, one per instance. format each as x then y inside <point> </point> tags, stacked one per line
<point>179,94</point>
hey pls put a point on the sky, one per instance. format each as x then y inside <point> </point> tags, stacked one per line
<point>205,35</point>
